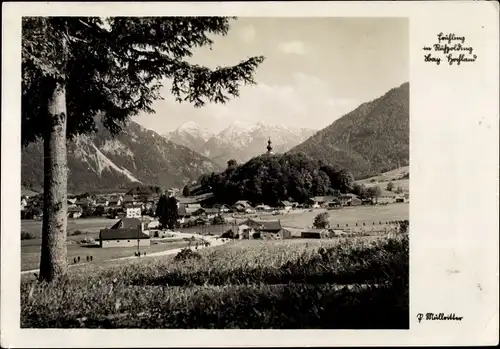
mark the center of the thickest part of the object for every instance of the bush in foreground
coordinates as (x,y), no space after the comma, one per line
(187,253)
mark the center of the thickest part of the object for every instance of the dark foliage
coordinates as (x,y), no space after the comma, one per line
(270,179)
(167,212)
(187,253)
(321,221)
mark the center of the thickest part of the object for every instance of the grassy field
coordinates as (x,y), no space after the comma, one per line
(30,255)
(295,220)
(346,215)
(355,283)
(90,225)
(394,176)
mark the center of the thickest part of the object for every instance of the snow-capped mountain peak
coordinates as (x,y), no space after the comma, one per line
(190,134)
(243,140)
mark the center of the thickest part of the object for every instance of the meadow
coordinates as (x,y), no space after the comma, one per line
(345,216)
(30,254)
(295,220)
(356,283)
(89,225)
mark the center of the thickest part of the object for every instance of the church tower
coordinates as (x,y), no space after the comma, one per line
(269,147)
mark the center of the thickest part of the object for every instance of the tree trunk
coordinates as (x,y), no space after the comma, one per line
(53,262)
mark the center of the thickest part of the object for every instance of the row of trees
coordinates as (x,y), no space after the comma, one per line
(270,179)
(77,69)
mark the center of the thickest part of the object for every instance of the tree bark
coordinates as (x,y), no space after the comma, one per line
(53,261)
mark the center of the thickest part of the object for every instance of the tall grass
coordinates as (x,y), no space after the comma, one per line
(350,283)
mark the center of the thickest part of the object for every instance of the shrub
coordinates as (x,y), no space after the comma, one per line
(27,235)
(187,253)
(76,232)
(321,221)
(403,226)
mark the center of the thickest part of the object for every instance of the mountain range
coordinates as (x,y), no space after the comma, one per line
(136,156)
(240,141)
(371,139)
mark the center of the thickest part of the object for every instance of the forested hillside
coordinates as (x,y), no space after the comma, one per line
(371,139)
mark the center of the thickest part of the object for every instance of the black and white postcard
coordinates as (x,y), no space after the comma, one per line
(209,170)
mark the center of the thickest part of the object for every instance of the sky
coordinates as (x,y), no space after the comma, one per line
(316,70)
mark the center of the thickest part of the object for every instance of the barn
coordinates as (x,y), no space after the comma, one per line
(315,234)
(123,237)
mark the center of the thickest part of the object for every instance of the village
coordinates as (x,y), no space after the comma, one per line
(137,224)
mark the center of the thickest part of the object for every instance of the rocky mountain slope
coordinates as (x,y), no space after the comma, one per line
(135,156)
(371,139)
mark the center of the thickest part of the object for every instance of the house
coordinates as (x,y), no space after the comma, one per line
(314,234)
(123,237)
(270,226)
(72,203)
(86,201)
(322,201)
(273,230)
(115,200)
(264,229)
(133,211)
(287,205)
(245,231)
(242,205)
(334,203)
(251,223)
(386,196)
(129,199)
(128,223)
(201,221)
(102,201)
(191,209)
(75,212)
(222,208)
(337,233)
(350,200)
(400,199)
(210,213)
(263,208)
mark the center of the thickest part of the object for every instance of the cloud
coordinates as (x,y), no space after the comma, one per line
(296,47)
(247,33)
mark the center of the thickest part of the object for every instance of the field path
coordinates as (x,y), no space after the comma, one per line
(212,239)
